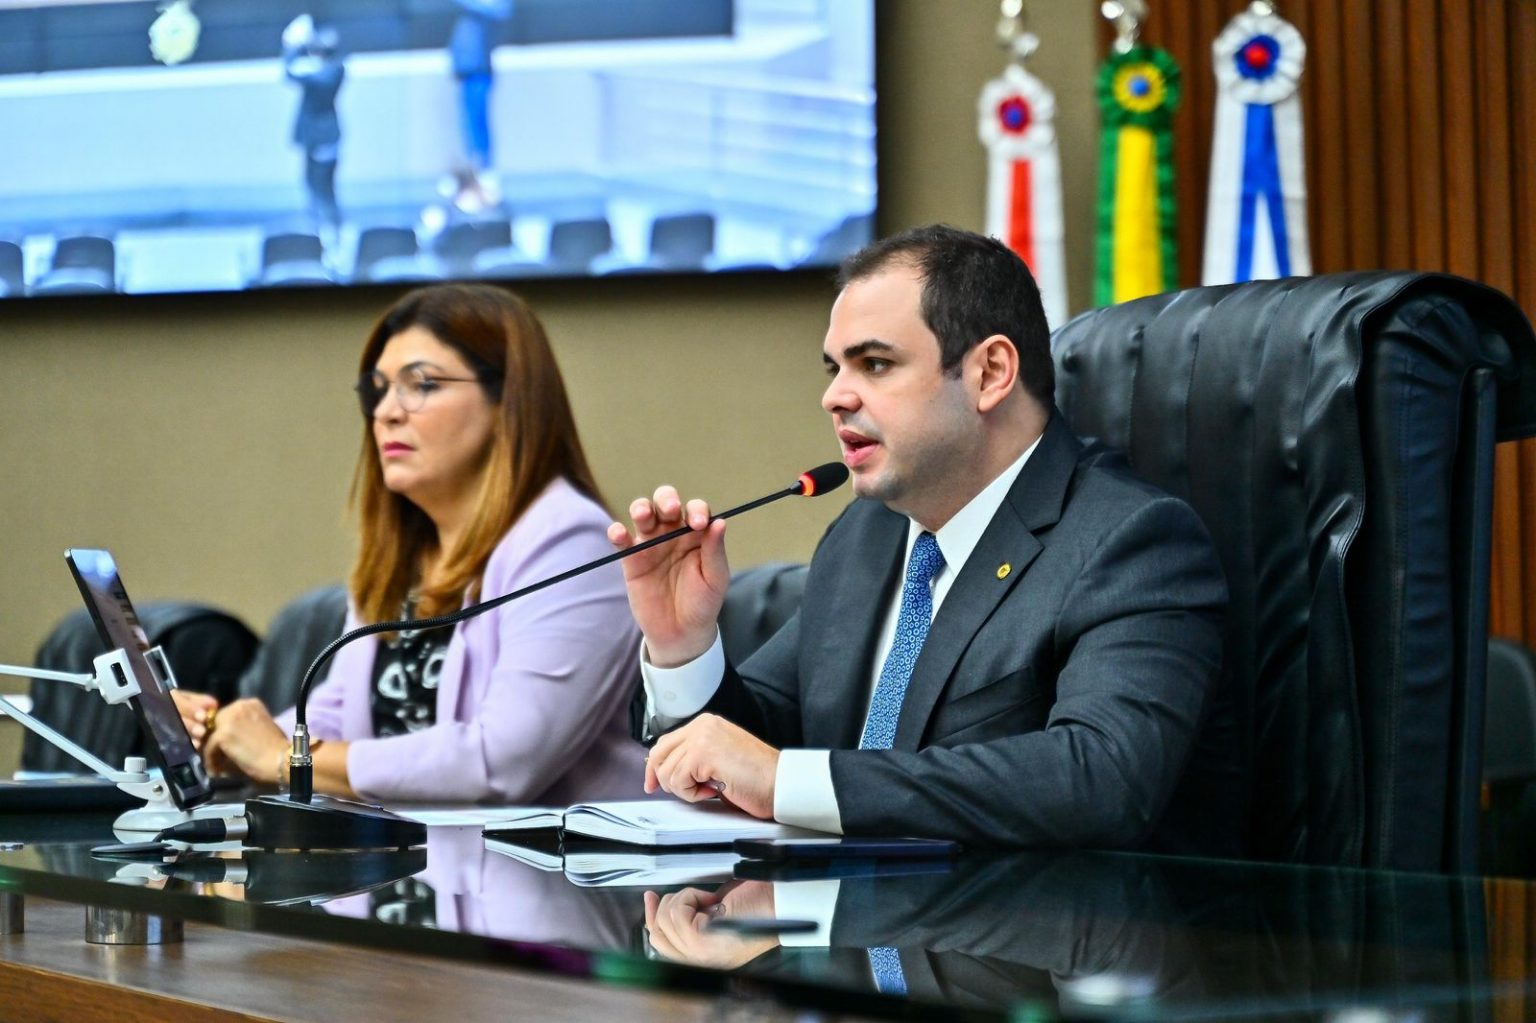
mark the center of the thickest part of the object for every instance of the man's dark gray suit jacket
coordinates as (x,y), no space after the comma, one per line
(1060,690)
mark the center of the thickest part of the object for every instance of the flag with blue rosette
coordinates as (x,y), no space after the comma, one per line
(1256,217)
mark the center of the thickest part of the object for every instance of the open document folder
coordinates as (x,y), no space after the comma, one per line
(644,822)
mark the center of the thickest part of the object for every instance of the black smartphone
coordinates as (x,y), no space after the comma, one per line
(760,925)
(830,869)
(133,850)
(845,848)
(170,746)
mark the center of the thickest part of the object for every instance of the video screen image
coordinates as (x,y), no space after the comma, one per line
(209,145)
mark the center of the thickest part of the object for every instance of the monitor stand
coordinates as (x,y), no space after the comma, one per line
(159,810)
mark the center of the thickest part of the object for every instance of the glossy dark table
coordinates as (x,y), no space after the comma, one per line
(1019,937)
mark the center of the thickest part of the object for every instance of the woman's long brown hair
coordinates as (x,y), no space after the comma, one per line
(535,441)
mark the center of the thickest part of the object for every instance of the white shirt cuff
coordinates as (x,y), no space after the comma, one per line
(673,695)
(802,791)
(806,900)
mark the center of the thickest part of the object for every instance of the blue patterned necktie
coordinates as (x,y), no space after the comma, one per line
(885,966)
(911,629)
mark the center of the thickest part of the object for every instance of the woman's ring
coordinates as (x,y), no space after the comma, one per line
(208,719)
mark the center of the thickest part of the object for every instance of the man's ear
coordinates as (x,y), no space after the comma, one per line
(996,361)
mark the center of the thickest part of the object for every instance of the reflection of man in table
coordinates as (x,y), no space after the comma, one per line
(311,61)
(996,930)
(470,47)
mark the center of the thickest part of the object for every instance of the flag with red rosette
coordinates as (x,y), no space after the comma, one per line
(1017,113)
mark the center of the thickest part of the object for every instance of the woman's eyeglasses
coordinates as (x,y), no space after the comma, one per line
(412,389)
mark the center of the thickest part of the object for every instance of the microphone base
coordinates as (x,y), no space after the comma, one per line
(286,879)
(326,822)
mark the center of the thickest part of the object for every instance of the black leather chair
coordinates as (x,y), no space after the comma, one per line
(1509,761)
(299,631)
(758,601)
(207,648)
(1336,434)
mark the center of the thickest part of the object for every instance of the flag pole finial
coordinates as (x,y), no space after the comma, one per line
(1013,32)
(1126,16)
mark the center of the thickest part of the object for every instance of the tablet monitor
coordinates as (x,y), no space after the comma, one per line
(101,586)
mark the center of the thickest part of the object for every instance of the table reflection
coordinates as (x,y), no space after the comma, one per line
(1097,934)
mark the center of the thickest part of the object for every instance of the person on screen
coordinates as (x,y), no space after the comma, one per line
(470,47)
(471,482)
(311,60)
(1006,640)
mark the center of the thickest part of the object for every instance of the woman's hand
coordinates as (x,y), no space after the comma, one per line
(246,739)
(196,710)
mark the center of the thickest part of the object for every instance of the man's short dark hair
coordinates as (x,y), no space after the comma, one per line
(973,287)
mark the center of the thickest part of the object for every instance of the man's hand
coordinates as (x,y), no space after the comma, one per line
(247,739)
(675,589)
(678,924)
(710,756)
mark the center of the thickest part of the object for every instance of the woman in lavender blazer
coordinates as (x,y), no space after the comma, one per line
(471,482)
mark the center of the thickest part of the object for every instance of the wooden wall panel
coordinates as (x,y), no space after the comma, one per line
(1420,116)
(1521,86)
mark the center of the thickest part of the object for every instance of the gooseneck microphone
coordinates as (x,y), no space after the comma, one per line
(812,483)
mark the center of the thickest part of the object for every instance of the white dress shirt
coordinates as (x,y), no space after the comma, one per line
(803,794)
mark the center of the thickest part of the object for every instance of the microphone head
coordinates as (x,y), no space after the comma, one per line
(817,481)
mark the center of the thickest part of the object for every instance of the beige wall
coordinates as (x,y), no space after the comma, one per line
(208,440)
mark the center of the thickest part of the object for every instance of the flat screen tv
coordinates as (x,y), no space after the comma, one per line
(207,145)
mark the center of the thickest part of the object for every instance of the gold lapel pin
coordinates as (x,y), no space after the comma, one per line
(1003,570)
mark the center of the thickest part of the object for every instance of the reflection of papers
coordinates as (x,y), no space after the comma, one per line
(453,815)
(602,869)
(543,859)
(614,868)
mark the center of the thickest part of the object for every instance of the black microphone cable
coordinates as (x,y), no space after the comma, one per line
(812,483)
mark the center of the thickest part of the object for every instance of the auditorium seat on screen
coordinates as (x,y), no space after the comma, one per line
(12,274)
(682,241)
(84,264)
(392,255)
(460,242)
(574,244)
(855,231)
(293,260)
(1336,434)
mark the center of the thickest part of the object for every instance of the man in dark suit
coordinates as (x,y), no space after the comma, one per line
(470,49)
(1006,640)
(311,61)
